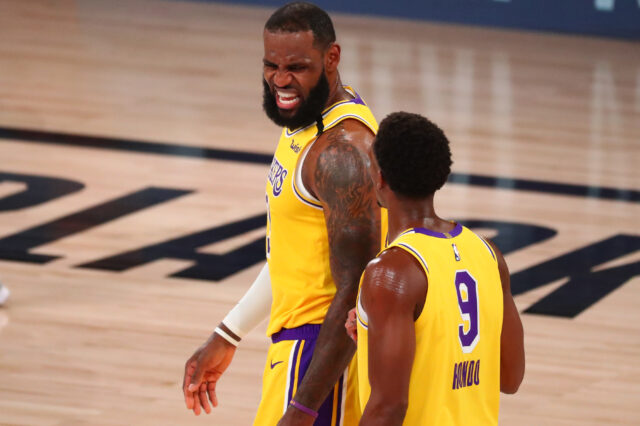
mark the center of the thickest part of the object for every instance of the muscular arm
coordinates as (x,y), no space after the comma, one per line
(338,176)
(512,339)
(393,292)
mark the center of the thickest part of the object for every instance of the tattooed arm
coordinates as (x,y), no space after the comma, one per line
(336,171)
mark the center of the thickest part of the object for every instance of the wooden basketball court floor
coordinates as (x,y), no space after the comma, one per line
(133,157)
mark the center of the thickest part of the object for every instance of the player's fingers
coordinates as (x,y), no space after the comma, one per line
(188,399)
(352,314)
(188,396)
(203,398)
(196,403)
(353,333)
(187,375)
(196,379)
(211,390)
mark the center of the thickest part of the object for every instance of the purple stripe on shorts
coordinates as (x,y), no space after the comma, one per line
(325,412)
(292,370)
(304,332)
(305,358)
(454,233)
(309,333)
(340,389)
(305,361)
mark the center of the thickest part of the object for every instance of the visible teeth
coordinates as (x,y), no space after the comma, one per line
(287,98)
(289,101)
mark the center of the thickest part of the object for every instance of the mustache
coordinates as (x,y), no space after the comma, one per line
(272,91)
(307,112)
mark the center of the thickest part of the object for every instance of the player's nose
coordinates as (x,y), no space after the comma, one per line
(282,78)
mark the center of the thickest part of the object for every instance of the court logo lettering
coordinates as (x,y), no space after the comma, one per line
(584,280)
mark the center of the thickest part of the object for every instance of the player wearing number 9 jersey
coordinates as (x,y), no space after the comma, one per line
(438,332)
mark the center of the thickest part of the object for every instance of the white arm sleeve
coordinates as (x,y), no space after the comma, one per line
(254,306)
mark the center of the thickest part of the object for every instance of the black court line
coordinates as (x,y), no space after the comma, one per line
(617,194)
(116,144)
(171,149)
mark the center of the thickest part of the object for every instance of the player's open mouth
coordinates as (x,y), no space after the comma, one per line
(287,100)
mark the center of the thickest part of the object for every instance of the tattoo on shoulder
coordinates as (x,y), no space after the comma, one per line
(343,183)
(341,175)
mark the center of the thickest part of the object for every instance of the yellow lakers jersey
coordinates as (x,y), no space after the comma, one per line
(297,242)
(456,370)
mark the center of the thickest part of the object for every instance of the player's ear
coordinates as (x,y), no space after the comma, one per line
(381,188)
(380,181)
(332,57)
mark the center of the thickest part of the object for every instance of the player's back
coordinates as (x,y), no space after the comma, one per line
(456,371)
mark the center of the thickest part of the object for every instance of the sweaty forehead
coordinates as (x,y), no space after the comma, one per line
(281,46)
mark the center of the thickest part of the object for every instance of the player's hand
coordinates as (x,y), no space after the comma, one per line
(202,371)
(351,326)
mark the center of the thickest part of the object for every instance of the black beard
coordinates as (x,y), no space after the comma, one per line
(308,111)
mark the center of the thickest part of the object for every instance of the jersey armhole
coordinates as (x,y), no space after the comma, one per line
(413,252)
(493,254)
(363,319)
(299,189)
(423,263)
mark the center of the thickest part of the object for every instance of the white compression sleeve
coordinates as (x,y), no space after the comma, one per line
(254,306)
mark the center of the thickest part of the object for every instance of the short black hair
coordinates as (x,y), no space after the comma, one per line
(413,154)
(302,16)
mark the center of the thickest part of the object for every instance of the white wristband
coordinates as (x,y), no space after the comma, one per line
(254,306)
(226,336)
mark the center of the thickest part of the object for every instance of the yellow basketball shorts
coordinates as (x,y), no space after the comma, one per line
(287,362)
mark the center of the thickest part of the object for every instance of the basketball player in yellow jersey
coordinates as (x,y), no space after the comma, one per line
(438,333)
(323,226)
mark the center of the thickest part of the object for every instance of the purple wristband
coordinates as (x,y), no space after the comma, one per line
(304,409)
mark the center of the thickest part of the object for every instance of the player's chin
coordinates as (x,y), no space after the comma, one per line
(288,112)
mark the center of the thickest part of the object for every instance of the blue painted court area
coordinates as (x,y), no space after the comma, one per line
(607,18)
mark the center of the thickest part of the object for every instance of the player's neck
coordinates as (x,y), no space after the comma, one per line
(337,93)
(406,214)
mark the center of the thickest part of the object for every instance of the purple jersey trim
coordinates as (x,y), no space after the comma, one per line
(344,117)
(304,200)
(296,131)
(412,250)
(454,232)
(488,248)
(356,100)
(362,322)
(304,332)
